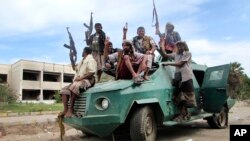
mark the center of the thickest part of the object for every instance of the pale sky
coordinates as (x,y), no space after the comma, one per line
(217,31)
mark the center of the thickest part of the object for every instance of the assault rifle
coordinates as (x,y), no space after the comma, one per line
(72,48)
(90,29)
(155,15)
(125,29)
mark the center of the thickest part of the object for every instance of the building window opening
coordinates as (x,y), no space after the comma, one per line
(31,75)
(31,94)
(3,78)
(52,77)
(68,78)
(49,94)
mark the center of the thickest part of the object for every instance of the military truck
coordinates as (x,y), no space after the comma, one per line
(141,109)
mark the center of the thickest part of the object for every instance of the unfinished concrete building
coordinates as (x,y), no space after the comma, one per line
(35,81)
(4,72)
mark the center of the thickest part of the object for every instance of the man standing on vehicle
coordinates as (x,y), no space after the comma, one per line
(96,42)
(84,79)
(170,38)
(182,61)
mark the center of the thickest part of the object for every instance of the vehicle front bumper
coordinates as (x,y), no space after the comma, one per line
(100,125)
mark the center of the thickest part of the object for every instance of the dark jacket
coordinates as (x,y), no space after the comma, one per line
(101,41)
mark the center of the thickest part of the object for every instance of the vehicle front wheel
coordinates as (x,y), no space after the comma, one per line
(219,120)
(143,125)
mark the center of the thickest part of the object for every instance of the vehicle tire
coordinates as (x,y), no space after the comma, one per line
(219,120)
(143,125)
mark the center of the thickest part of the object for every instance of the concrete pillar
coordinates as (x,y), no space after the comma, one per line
(41,86)
(21,81)
(62,79)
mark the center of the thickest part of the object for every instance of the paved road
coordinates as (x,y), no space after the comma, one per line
(195,131)
(6,121)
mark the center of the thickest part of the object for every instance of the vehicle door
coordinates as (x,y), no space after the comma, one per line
(214,88)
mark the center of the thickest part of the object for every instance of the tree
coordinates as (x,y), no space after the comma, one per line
(239,83)
(245,89)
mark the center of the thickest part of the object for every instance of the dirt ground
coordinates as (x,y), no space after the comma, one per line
(195,131)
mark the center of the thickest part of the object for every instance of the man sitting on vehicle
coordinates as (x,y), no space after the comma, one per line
(145,45)
(110,48)
(84,79)
(129,63)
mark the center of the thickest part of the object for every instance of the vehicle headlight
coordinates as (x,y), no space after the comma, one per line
(105,103)
(102,103)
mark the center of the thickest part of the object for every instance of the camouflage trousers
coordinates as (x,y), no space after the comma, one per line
(185,95)
(76,86)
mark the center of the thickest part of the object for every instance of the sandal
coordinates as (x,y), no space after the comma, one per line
(187,116)
(138,80)
(179,118)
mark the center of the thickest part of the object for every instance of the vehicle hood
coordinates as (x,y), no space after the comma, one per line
(110,86)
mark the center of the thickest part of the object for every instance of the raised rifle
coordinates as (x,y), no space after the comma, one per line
(155,15)
(125,29)
(72,49)
(90,29)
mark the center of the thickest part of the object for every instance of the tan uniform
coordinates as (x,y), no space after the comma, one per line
(87,65)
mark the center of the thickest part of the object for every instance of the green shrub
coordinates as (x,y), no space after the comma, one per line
(7,95)
(58,98)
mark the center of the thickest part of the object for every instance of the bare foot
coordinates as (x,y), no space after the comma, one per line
(146,78)
(68,114)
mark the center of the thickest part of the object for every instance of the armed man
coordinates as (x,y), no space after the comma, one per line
(96,42)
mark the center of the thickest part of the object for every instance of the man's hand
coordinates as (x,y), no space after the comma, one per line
(107,65)
(125,29)
(139,60)
(157,31)
(107,40)
(78,78)
(166,64)
(162,40)
(149,52)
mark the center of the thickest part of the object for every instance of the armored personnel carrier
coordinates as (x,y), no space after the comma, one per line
(141,109)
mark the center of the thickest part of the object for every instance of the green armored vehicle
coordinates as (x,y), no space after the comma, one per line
(141,109)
